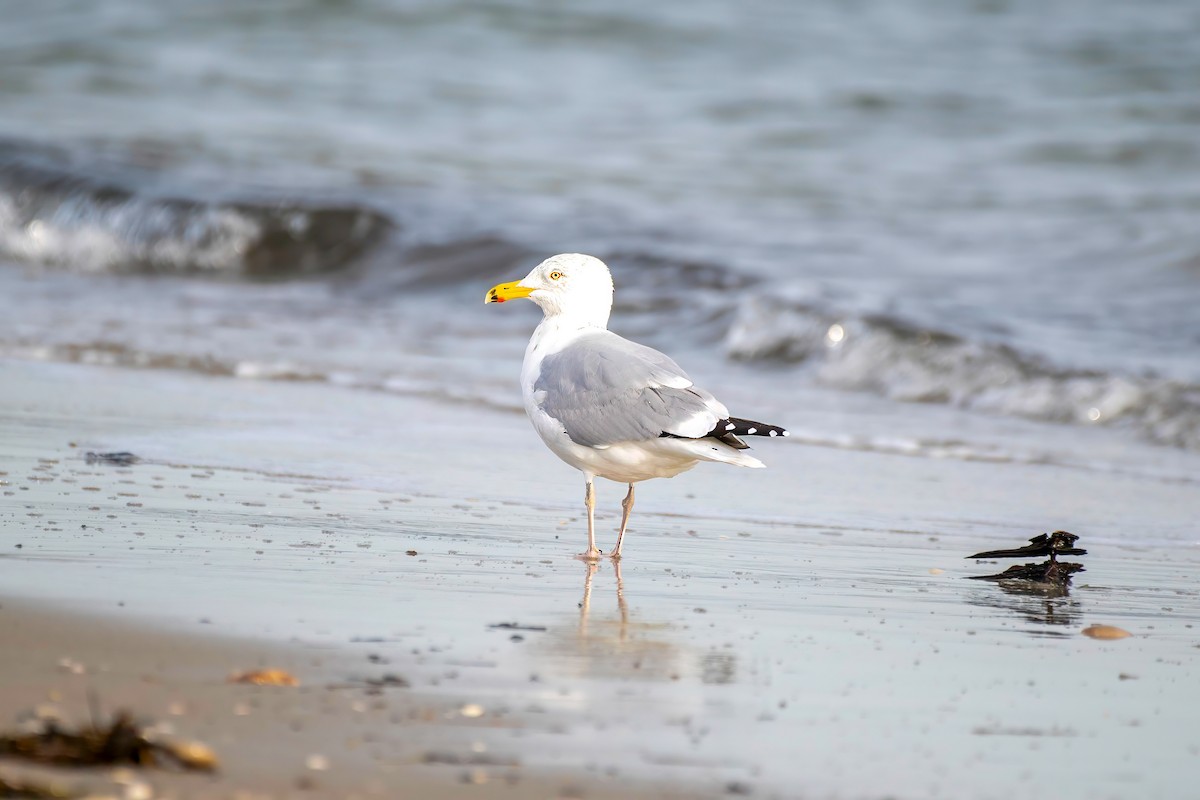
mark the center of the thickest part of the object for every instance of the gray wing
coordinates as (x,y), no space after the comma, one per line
(604,389)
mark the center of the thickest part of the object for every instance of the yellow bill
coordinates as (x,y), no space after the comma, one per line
(506,291)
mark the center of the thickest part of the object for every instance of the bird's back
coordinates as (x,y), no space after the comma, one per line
(603,389)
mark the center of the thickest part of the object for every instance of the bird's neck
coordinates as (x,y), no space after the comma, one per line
(576,320)
(583,309)
(556,332)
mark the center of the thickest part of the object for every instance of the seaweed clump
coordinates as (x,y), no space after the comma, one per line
(1050,572)
(122,742)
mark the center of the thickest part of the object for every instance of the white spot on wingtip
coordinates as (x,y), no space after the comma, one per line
(787,433)
(730,426)
(773,433)
(751,430)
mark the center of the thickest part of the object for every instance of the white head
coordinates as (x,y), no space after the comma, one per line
(570,285)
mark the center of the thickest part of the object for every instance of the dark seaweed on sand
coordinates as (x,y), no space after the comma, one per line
(121,742)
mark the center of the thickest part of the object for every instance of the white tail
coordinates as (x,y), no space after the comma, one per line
(713,450)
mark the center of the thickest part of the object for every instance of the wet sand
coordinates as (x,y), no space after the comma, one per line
(333,736)
(800,631)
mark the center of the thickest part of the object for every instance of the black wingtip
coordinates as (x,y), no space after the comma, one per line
(748,427)
(729,430)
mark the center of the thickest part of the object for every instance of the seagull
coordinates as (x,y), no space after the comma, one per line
(609,407)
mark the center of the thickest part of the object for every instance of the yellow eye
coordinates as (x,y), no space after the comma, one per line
(555,275)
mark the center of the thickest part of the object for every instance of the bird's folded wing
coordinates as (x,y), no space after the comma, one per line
(604,389)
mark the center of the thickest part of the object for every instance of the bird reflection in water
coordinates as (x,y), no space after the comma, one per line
(585,605)
(615,645)
(608,642)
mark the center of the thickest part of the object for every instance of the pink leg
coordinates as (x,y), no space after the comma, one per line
(626,507)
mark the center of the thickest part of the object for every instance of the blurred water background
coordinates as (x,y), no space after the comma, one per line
(985,205)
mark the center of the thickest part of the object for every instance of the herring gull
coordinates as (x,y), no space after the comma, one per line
(607,406)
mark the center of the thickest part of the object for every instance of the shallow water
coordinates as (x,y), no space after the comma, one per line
(776,629)
(990,204)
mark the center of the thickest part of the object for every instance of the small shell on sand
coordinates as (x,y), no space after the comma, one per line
(1105,632)
(265,677)
(195,755)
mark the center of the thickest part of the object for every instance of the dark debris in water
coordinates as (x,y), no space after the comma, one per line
(122,742)
(468,759)
(375,686)
(1059,543)
(515,626)
(120,459)
(1051,572)
(389,679)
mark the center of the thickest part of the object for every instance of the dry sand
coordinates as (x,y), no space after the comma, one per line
(804,631)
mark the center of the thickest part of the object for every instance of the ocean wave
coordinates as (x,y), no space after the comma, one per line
(649,283)
(52,217)
(902,361)
(475,259)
